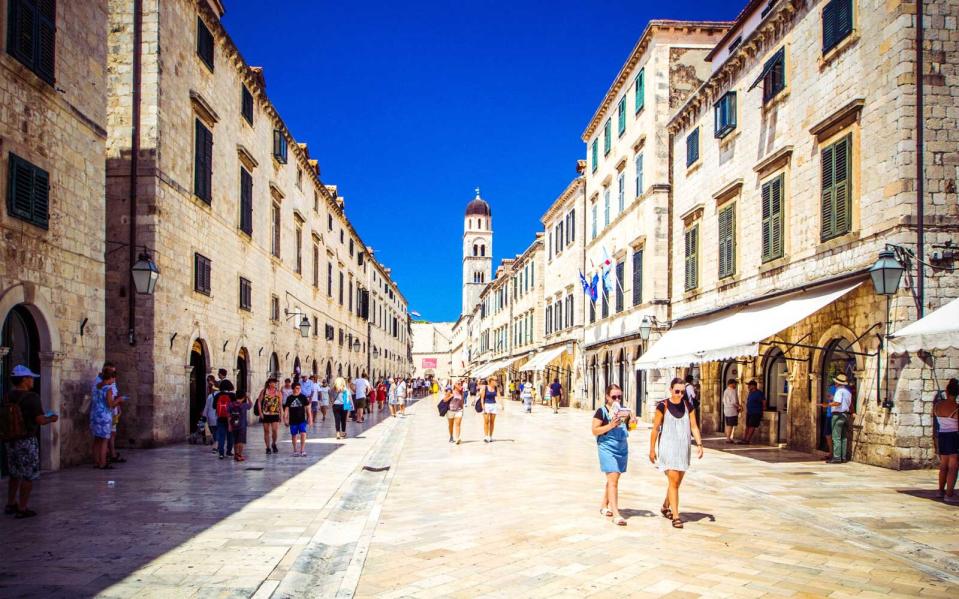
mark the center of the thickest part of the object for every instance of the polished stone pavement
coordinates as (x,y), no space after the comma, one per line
(396,511)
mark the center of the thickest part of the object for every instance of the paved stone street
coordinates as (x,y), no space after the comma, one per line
(518,518)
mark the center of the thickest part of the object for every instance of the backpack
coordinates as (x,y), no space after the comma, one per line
(12,426)
(222,405)
(234,419)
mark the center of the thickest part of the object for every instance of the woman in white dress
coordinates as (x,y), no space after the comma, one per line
(674,427)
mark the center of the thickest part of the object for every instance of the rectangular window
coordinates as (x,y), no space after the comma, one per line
(774,75)
(204,43)
(201,274)
(692,257)
(246,294)
(772,219)
(620,276)
(637,277)
(594,224)
(246,202)
(275,247)
(621,192)
(246,104)
(603,292)
(692,147)
(621,124)
(572,225)
(532,272)
(32,35)
(203,163)
(607,137)
(640,85)
(595,154)
(606,207)
(349,305)
(549,319)
(836,189)
(299,246)
(727,241)
(724,115)
(279,146)
(329,222)
(28,192)
(639,175)
(351,247)
(274,308)
(316,263)
(340,290)
(329,279)
(569,311)
(836,23)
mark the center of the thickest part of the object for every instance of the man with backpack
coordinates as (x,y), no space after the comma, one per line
(21,416)
(222,402)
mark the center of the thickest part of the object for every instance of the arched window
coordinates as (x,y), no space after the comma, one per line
(482,249)
(777,389)
(837,360)
(475,250)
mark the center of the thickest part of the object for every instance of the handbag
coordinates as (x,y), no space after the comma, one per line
(347,402)
(478,406)
(443,406)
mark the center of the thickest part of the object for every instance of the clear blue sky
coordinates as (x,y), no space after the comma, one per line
(410,105)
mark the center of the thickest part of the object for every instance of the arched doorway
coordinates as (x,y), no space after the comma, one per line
(315,371)
(21,336)
(242,371)
(198,362)
(776,388)
(329,372)
(274,368)
(837,360)
(296,367)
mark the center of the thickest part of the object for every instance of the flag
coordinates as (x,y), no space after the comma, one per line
(594,289)
(584,282)
(607,268)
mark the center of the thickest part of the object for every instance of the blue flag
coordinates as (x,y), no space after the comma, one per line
(594,289)
(583,282)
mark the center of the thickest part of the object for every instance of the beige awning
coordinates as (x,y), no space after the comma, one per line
(539,362)
(937,330)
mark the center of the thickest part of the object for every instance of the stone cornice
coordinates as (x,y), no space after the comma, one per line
(838,120)
(775,160)
(727,191)
(634,58)
(246,157)
(572,189)
(203,108)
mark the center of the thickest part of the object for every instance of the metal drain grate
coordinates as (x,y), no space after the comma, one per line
(372,469)
(254,468)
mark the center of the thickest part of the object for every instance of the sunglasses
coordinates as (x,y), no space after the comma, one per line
(620,396)
(677,391)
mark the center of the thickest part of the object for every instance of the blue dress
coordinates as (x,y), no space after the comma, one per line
(101,416)
(613,446)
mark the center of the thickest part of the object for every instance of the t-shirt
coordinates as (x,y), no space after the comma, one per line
(844,398)
(324,392)
(306,387)
(555,390)
(210,409)
(601,415)
(401,390)
(296,404)
(691,394)
(286,392)
(527,392)
(242,408)
(754,402)
(30,407)
(362,387)
(730,403)
(456,402)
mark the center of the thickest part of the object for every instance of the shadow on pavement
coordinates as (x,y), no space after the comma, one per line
(696,517)
(763,453)
(95,528)
(927,494)
(631,513)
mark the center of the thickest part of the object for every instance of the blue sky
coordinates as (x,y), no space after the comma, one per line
(409,106)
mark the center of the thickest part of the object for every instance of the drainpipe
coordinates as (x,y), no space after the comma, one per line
(134,164)
(920,172)
(586,375)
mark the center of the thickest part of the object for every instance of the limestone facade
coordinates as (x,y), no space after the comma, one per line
(627,186)
(811,177)
(432,344)
(249,240)
(52,138)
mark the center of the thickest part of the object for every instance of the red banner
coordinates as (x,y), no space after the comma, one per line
(429,362)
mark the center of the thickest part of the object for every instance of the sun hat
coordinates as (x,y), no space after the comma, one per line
(841,379)
(21,370)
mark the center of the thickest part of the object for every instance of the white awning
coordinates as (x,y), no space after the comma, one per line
(937,330)
(489,368)
(731,333)
(539,362)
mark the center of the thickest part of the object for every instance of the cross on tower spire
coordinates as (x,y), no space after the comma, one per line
(477,192)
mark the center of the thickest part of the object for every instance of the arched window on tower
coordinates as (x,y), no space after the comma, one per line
(482,249)
(475,250)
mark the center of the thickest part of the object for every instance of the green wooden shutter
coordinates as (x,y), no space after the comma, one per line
(841,185)
(595,154)
(766,227)
(776,218)
(637,277)
(40,214)
(640,90)
(607,137)
(727,241)
(692,243)
(622,115)
(246,202)
(46,39)
(827,200)
(836,23)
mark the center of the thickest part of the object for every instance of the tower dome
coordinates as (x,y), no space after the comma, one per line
(478,206)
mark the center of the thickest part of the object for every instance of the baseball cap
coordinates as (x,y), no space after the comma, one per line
(21,370)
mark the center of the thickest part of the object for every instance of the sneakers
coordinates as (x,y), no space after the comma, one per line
(268,451)
(451,438)
(275,450)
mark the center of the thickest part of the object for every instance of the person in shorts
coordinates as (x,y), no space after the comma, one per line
(755,406)
(23,454)
(323,391)
(296,415)
(454,416)
(270,403)
(361,391)
(730,409)
(402,397)
(488,394)
(555,395)
(239,413)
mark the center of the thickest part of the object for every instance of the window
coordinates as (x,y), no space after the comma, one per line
(246,104)
(620,276)
(735,44)
(607,137)
(316,202)
(203,163)
(299,246)
(595,154)
(279,146)
(316,262)
(836,23)
(204,43)
(571,228)
(349,305)
(724,115)
(329,279)
(274,308)
(351,247)
(28,192)
(621,125)
(836,189)
(340,290)
(299,178)
(605,299)
(595,221)
(246,202)
(692,261)
(329,222)
(532,272)
(549,319)
(773,75)
(621,193)
(32,35)
(275,248)
(569,311)
(727,241)
(201,274)
(772,223)
(606,207)
(246,294)
(692,147)
(342,238)
(637,277)
(639,175)
(640,85)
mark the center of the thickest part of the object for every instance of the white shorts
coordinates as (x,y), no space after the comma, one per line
(451,415)
(490,408)
(394,401)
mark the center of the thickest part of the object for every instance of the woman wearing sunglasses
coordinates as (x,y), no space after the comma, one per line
(673,426)
(609,427)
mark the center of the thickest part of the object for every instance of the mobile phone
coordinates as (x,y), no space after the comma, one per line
(50,414)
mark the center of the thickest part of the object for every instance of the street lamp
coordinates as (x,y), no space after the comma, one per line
(305,327)
(356,345)
(145,274)
(886,274)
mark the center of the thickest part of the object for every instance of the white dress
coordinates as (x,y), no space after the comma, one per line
(674,441)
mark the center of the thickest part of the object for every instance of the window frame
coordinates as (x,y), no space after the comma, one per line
(281,149)
(607,137)
(768,249)
(691,257)
(727,240)
(203,162)
(34,208)
(205,36)
(246,104)
(202,274)
(621,117)
(637,280)
(840,31)
(639,86)
(772,86)
(246,202)
(724,115)
(835,230)
(638,166)
(246,294)
(41,58)
(692,147)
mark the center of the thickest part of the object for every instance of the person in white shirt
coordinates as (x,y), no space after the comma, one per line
(841,405)
(361,391)
(311,389)
(731,409)
(526,394)
(401,397)
(323,390)
(391,398)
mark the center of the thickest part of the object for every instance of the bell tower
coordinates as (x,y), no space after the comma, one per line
(477,251)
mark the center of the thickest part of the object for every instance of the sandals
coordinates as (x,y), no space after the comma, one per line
(619,521)
(605,512)
(677,523)
(666,512)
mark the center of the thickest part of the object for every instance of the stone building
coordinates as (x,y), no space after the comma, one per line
(561,356)
(794,165)
(261,271)
(477,251)
(52,138)
(432,350)
(627,187)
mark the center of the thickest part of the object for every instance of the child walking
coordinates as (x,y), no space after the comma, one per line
(239,410)
(297,416)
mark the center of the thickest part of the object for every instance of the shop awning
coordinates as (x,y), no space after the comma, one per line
(937,330)
(539,362)
(489,368)
(733,333)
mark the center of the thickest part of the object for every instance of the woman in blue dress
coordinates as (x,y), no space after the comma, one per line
(101,416)
(610,428)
